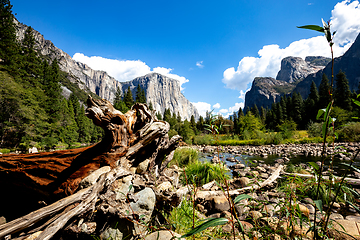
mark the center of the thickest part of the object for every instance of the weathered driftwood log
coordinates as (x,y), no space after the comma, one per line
(207,194)
(129,140)
(351,181)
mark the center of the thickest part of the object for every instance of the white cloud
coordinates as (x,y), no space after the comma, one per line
(121,70)
(345,19)
(242,94)
(167,72)
(217,105)
(227,112)
(202,107)
(125,70)
(200,64)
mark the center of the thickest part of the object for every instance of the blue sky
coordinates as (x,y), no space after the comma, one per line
(214,48)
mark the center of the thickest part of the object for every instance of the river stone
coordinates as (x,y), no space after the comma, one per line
(93,177)
(143,205)
(350,227)
(163,235)
(255,215)
(142,167)
(165,186)
(244,181)
(353,218)
(122,186)
(336,216)
(219,204)
(111,233)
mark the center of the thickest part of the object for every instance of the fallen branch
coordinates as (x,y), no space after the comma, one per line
(352,181)
(206,194)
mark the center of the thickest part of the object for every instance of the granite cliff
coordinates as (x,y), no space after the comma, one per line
(349,63)
(162,91)
(297,74)
(266,90)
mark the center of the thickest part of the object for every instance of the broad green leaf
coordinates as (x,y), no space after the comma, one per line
(241,197)
(320,113)
(324,126)
(313,27)
(356,102)
(319,205)
(212,222)
(314,165)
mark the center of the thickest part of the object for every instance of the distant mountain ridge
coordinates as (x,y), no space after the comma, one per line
(266,90)
(162,91)
(297,74)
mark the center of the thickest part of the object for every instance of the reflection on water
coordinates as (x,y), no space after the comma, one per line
(248,160)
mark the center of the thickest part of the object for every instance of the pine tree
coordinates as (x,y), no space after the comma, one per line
(151,106)
(158,115)
(297,108)
(200,124)
(324,92)
(193,124)
(31,62)
(128,98)
(9,48)
(342,93)
(314,94)
(284,108)
(255,111)
(262,114)
(140,95)
(69,129)
(84,126)
(167,115)
(74,102)
(119,103)
(52,90)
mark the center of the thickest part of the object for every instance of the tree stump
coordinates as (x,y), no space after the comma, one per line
(31,180)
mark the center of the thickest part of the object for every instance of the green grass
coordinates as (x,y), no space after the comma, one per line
(184,156)
(201,173)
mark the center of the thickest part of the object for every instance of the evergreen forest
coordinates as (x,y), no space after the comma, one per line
(33,111)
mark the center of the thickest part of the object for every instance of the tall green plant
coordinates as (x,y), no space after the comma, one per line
(320,231)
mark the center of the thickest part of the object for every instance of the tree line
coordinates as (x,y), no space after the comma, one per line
(32,110)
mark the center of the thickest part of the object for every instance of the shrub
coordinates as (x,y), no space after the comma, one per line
(4,150)
(172,133)
(204,172)
(315,129)
(287,129)
(350,132)
(184,156)
(204,139)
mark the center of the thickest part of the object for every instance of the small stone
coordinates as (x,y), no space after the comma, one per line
(93,177)
(163,235)
(336,216)
(220,204)
(142,167)
(255,215)
(165,186)
(336,205)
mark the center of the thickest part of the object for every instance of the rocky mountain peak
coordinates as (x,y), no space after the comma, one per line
(295,68)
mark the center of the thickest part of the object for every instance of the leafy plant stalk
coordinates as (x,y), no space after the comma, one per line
(327,119)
